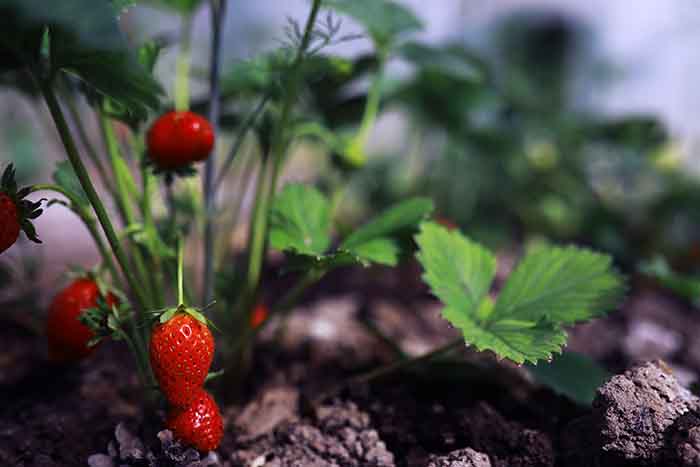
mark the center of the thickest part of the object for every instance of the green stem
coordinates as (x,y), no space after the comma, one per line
(239,139)
(98,206)
(87,144)
(148,182)
(182,68)
(218,14)
(356,150)
(267,183)
(180,271)
(124,204)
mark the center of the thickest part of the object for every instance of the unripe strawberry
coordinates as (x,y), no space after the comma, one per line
(199,424)
(178,139)
(67,337)
(181,352)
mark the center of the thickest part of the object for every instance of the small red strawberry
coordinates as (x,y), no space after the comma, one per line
(199,424)
(178,139)
(16,213)
(67,337)
(259,315)
(181,352)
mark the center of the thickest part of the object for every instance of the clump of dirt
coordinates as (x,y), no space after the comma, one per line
(337,434)
(460,458)
(127,450)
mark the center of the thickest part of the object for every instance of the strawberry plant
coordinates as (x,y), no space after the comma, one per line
(159,147)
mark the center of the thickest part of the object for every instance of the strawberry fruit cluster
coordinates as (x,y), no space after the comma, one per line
(181,352)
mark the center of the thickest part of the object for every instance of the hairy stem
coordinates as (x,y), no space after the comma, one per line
(258,239)
(125,205)
(218,16)
(95,201)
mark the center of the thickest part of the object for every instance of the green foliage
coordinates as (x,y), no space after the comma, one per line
(65,177)
(384,20)
(550,288)
(185,7)
(458,271)
(571,374)
(121,5)
(300,220)
(85,40)
(300,224)
(686,286)
(377,241)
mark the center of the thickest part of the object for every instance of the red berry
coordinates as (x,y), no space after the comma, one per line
(16,213)
(9,222)
(178,139)
(260,313)
(181,353)
(199,424)
(67,336)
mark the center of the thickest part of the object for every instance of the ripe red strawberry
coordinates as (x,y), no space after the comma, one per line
(199,424)
(67,337)
(259,315)
(181,353)
(16,212)
(178,139)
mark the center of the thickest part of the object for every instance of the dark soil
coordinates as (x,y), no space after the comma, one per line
(478,412)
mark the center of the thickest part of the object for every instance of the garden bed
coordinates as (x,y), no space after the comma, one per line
(429,415)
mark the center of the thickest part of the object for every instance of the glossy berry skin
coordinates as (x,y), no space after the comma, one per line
(260,314)
(198,424)
(178,139)
(9,222)
(67,336)
(181,353)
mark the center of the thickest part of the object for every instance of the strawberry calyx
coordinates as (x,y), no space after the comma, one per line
(168,313)
(26,210)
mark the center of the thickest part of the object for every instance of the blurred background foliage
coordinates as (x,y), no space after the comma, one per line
(494,137)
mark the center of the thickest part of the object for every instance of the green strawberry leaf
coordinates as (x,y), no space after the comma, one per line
(300,220)
(565,285)
(384,20)
(458,271)
(65,177)
(550,288)
(402,217)
(571,374)
(378,250)
(85,40)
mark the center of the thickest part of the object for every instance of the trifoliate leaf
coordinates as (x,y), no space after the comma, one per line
(384,20)
(564,285)
(458,271)
(550,288)
(300,220)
